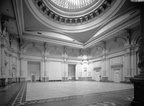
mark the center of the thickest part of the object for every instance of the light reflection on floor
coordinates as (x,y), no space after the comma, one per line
(42,90)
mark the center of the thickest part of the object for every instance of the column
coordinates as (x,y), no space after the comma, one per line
(2,61)
(133,66)
(107,67)
(21,74)
(44,68)
(2,77)
(104,78)
(0,57)
(47,69)
(104,66)
(10,65)
(23,70)
(66,70)
(42,71)
(9,79)
(0,24)
(128,64)
(138,80)
(0,45)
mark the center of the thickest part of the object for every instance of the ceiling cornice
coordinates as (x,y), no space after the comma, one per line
(53,41)
(77,45)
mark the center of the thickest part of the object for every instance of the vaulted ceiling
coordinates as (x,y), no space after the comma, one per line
(75,23)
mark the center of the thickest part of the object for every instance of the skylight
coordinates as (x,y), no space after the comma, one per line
(72,4)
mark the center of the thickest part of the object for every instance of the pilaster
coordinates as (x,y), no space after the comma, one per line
(42,71)
(128,65)
(107,67)
(2,61)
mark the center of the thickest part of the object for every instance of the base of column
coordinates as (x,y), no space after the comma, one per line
(104,79)
(2,82)
(45,79)
(21,79)
(127,79)
(138,90)
(64,79)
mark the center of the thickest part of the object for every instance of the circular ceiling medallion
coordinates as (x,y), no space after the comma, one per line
(73,15)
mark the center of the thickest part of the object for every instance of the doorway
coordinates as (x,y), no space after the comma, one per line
(97,74)
(71,72)
(117,76)
(34,71)
(33,78)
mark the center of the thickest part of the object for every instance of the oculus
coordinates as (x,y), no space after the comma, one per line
(72,4)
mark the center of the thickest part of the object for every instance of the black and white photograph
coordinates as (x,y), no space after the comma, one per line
(71,52)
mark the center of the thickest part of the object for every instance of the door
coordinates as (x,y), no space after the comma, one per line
(71,71)
(34,73)
(33,78)
(97,76)
(117,76)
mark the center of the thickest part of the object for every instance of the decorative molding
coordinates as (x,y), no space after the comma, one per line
(42,39)
(66,20)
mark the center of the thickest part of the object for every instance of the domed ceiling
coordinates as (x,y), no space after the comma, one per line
(73,15)
(75,23)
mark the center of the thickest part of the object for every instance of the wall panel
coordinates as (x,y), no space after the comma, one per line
(55,71)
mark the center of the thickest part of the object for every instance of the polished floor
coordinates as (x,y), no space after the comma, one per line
(74,93)
(36,91)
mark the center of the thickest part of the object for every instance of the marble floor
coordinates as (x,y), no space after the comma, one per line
(74,93)
(36,91)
